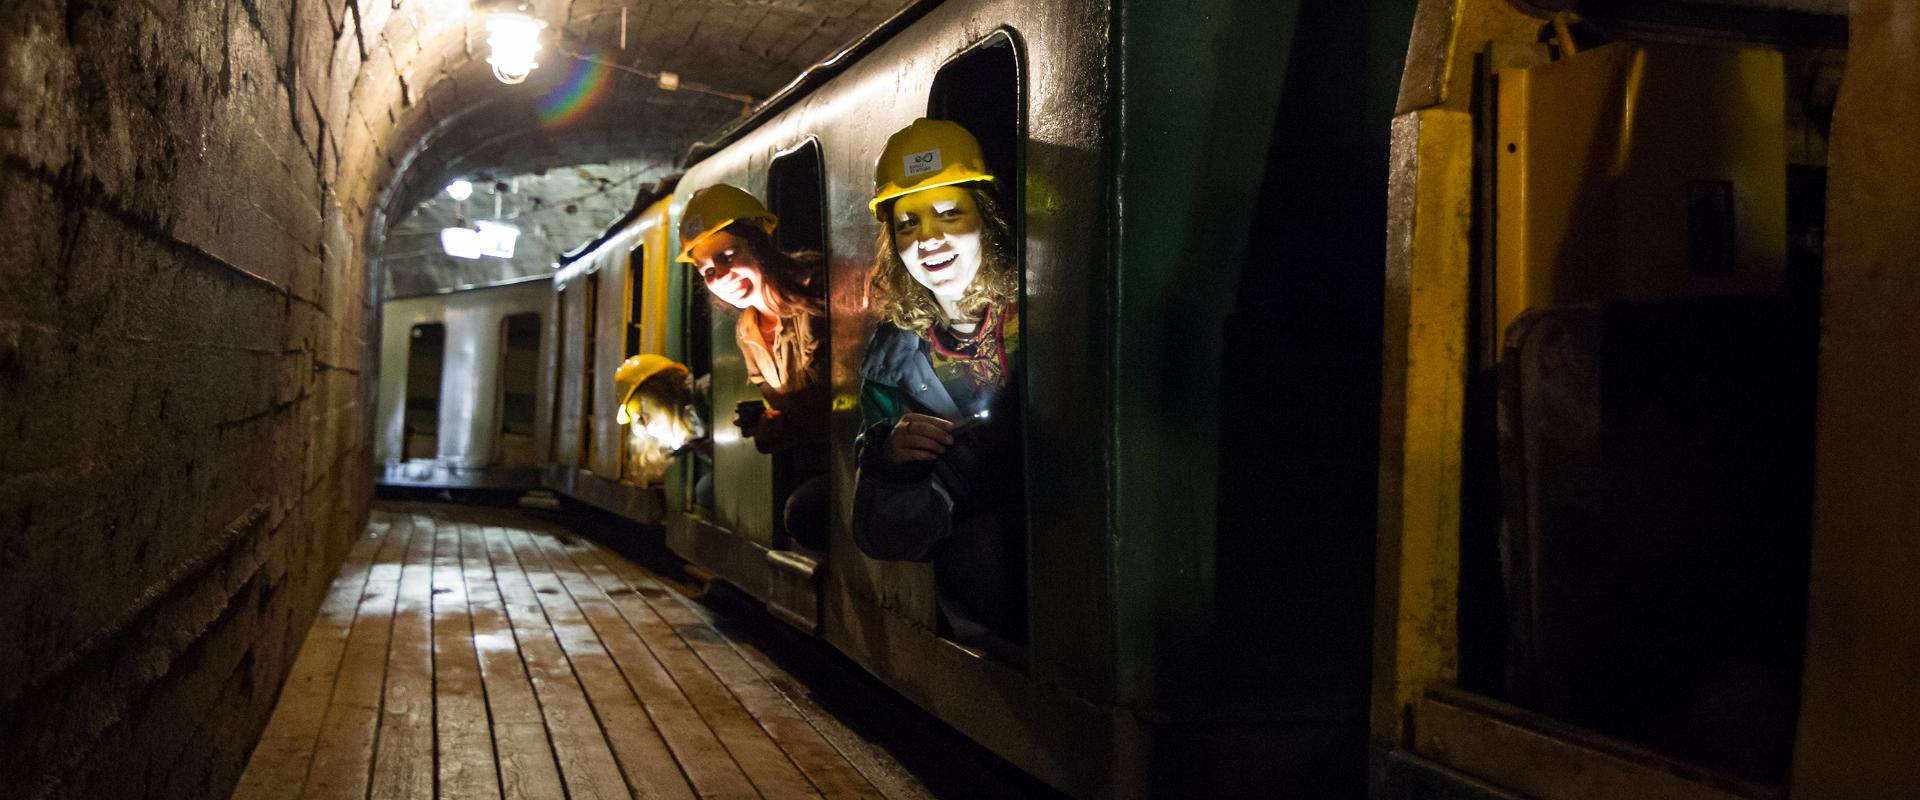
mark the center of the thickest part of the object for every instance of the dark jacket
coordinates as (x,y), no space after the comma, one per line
(965,512)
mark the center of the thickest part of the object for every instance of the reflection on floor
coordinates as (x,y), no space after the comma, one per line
(468,653)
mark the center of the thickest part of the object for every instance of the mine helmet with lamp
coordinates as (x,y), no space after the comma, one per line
(923,155)
(714,208)
(637,370)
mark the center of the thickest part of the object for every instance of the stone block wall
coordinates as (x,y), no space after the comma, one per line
(187,318)
(184,332)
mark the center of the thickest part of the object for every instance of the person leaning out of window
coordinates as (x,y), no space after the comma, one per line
(939,464)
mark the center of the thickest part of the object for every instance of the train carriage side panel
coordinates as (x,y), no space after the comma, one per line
(566,451)
(468,447)
(1248,194)
(601,282)
(610,311)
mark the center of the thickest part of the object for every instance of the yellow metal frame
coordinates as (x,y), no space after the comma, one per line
(650,275)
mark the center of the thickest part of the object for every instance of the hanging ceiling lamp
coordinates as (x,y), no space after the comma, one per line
(513,39)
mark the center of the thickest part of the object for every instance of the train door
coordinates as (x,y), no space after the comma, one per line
(559,376)
(633,445)
(519,386)
(983,90)
(426,357)
(1623,575)
(589,320)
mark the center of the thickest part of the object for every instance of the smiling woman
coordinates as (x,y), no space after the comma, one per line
(727,236)
(937,482)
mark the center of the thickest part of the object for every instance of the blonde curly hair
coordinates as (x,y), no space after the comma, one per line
(911,307)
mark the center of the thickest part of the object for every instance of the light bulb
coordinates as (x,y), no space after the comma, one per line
(460,189)
(514,39)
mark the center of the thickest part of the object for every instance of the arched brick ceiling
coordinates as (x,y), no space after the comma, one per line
(422,106)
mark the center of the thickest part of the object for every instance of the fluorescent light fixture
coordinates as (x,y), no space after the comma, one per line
(514,40)
(461,242)
(497,239)
(460,189)
(488,238)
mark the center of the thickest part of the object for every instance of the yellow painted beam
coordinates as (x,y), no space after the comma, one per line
(1423,382)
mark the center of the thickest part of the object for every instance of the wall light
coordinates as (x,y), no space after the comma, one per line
(514,40)
(460,190)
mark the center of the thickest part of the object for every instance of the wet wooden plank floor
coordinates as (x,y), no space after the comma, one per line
(486,653)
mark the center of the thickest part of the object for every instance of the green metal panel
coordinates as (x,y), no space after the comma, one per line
(1186,167)
(1249,179)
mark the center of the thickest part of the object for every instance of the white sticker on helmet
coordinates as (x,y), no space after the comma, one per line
(923,162)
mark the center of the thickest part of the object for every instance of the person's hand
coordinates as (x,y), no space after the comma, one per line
(918,437)
(747,416)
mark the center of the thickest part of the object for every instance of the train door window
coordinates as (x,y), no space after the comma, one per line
(519,382)
(981,583)
(589,320)
(635,299)
(426,356)
(797,195)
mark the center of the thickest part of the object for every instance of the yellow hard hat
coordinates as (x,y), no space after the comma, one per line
(637,369)
(928,153)
(716,207)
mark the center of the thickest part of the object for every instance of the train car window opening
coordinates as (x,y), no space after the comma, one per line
(983,89)
(519,385)
(796,193)
(426,359)
(699,316)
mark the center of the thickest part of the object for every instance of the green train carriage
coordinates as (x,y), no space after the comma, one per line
(1182,181)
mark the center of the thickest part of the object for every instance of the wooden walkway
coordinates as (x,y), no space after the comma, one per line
(484,653)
